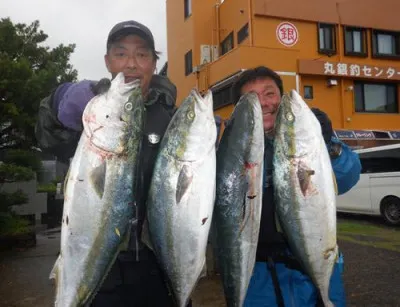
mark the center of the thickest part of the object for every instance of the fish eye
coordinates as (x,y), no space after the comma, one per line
(128,106)
(289,116)
(190,115)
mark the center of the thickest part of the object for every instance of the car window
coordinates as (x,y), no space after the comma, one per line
(379,165)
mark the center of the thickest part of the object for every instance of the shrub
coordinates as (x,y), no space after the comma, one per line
(25,158)
(11,225)
(12,173)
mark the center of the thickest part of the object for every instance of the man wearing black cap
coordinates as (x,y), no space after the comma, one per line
(135,279)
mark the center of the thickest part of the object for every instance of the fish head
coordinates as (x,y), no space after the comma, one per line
(248,117)
(296,127)
(110,119)
(193,128)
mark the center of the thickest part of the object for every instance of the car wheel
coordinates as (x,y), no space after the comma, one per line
(391,210)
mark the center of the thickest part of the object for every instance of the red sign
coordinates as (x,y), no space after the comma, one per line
(287,34)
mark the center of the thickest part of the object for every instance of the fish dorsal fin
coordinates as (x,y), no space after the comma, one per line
(184,181)
(98,179)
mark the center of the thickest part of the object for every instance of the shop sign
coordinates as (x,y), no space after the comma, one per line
(353,70)
(287,34)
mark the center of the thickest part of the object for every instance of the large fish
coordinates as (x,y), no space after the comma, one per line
(99,194)
(305,190)
(237,211)
(182,194)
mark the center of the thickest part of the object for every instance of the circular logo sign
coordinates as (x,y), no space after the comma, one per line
(287,34)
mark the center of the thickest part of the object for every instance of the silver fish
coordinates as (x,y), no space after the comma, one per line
(237,212)
(99,193)
(305,190)
(182,193)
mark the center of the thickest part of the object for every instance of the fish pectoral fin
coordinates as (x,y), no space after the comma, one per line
(304,175)
(248,205)
(331,252)
(98,179)
(184,182)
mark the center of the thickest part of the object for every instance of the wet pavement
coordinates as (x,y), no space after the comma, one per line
(372,274)
(24,274)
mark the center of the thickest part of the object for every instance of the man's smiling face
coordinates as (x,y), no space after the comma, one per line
(131,55)
(269,96)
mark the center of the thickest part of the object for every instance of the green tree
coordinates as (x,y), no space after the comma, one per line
(29,71)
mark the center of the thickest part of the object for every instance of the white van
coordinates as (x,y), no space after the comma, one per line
(378,191)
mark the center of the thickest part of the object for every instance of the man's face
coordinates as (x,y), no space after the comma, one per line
(269,96)
(132,56)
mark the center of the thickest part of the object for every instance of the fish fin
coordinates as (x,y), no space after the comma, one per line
(248,201)
(335,183)
(66,181)
(98,178)
(53,273)
(304,175)
(203,272)
(184,182)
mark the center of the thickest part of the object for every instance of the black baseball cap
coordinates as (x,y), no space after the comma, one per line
(131,27)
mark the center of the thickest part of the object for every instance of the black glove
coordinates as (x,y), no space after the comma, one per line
(163,90)
(101,86)
(326,124)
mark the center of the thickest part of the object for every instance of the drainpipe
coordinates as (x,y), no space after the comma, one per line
(250,13)
(340,47)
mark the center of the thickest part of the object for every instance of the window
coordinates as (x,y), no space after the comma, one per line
(227,44)
(385,44)
(308,92)
(355,41)
(222,97)
(243,33)
(375,97)
(188,63)
(326,38)
(380,165)
(188,8)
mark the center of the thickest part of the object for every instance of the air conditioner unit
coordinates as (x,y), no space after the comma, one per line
(332,82)
(205,54)
(196,68)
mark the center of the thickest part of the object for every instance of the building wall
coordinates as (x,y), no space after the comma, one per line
(262,47)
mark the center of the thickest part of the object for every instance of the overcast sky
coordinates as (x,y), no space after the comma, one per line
(87,23)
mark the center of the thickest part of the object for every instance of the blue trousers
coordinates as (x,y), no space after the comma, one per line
(297,288)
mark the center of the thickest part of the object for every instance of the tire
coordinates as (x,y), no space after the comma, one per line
(390,208)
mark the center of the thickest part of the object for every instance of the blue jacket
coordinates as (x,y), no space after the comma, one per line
(297,288)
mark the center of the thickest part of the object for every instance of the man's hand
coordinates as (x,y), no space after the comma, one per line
(326,124)
(100,87)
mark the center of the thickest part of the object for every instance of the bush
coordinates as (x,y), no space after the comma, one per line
(10,199)
(11,225)
(12,173)
(49,188)
(26,158)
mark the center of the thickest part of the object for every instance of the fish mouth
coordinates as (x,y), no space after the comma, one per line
(131,79)
(203,102)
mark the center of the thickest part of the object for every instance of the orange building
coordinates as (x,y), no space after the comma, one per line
(343,56)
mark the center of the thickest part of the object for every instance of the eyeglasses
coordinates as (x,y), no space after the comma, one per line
(143,56)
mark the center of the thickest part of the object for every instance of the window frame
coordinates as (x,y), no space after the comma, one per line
(227,38)
(364,43)
(326,51)
(186,5)
(188,66)
(374,45)
(387,85)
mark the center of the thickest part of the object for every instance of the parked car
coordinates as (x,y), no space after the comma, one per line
(378,190)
